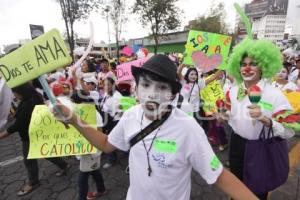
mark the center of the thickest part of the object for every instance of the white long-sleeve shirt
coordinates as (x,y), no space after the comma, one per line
(274,101)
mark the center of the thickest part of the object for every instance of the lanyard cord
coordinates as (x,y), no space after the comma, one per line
(147,151)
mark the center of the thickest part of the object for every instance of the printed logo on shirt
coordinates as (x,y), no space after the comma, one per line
(165,146)
(215,163)
(160,160)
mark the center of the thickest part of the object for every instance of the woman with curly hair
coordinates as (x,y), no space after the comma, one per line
(252,63)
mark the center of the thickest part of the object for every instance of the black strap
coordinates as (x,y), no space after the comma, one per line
(179,102)
(191,93)
(270,133)
(151,127)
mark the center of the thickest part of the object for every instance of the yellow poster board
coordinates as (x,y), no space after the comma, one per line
(210,94)
(42,55)
(50,138)
(294,99)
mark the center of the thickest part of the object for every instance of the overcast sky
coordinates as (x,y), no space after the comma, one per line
(16,15)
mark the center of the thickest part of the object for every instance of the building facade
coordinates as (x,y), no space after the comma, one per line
(268,19)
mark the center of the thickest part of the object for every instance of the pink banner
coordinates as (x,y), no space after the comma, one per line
(124,70)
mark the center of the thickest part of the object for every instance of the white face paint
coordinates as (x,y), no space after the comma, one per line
(154,96)
(282,74)
(249,70)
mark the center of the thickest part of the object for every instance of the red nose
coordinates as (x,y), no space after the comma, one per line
(247,69)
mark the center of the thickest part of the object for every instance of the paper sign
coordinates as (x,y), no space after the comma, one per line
(210,94)
(49,137)
(294,100)
(42,55)
(207,51)
(124,70)
(127,102)
(165,146)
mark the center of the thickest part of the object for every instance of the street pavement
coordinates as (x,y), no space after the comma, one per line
(13,176)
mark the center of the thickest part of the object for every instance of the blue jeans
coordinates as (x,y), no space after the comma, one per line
(83,183)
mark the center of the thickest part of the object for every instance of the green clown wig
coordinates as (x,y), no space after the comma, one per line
(265,53)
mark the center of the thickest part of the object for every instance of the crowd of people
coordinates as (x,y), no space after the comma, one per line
(175,133)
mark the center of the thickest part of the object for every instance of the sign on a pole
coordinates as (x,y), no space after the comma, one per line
(42,55)
(36,30)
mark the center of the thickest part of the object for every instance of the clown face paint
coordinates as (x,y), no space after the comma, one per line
(249,70)
(154,96)
(282,74)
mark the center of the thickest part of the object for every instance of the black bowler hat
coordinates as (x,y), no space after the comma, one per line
(161,66)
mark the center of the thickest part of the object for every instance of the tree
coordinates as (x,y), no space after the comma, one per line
(75,10)
(213,22)
(117,14)
(160,15)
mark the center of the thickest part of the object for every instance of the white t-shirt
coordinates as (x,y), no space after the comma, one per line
(185,106)
(102,75)
(293,76)
(90,162)
(111,104)
(289,86)
(95,96)
(6,97)
(191,93)
(56,75)
(180,145)
(273,101)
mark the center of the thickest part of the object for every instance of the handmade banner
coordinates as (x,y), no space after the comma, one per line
(127,102)
(207,51)
(42,55)
(124,70)
(294,99)
(50,138)
(210,94)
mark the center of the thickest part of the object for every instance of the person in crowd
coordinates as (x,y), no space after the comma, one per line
(251,64)
(86,70)
(6,98)
(28,98)
(191,87)
(282,82)
(161,161)
(105,72)
(295,71)
(109,107)
(90,166)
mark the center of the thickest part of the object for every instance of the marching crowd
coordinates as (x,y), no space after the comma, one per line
(167,134)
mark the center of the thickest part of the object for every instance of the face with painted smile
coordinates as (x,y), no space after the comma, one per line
(250,71)
(155,96)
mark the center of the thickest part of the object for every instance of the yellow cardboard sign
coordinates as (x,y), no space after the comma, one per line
(42,55)
(49,137)
(294,99)
(210,94)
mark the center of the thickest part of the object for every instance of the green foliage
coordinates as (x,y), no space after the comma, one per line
(75,10)
(213,22)
(160,15)
(118,16)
